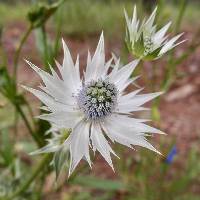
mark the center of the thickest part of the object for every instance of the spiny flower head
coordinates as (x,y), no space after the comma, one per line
(97,99)
(144,41)
(96,108)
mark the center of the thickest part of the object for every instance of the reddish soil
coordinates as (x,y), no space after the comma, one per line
(180,106)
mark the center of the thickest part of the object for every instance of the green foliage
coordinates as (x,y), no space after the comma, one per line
(8,88)
(97,183)
(89,17)
(17,12)
(41,12)
(6,150)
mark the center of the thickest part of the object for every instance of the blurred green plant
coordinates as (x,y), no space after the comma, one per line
(8,88)
(37,16)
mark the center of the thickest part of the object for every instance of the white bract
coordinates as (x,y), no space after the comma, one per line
(95,108)
(144,41)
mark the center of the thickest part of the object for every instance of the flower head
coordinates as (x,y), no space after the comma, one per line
(144,41)
(95,108)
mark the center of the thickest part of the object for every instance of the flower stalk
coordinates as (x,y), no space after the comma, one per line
(45,161)
(35,137)
(19,48)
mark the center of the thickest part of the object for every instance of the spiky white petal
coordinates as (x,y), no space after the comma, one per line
(123,74)
(171,44)
(79,145)
(101,144)
(68,71)
(96,65)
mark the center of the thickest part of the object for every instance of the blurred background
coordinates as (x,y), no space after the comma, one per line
(33,30)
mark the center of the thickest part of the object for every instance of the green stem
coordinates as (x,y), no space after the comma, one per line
(3,55)
(180,15)
(45,47)
(16,60)
(21,112)
(58,31)
(39,186)
(45,161)
(18,50)
(16,119)
(171,70)
(160,8)
(30,110)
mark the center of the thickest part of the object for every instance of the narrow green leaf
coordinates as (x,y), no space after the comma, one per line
(6,148)
(96,183)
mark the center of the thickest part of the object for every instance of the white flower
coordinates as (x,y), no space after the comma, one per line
(95,107)
(144,41)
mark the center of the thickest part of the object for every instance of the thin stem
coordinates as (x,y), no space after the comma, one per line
(16,60)
(180,15)
(58,30)
(21,112)
(18,51)
(45,45)
(171,70)
(160,8)
(45,161)
(39,186)
(3,53)
(16,119)
(30,110)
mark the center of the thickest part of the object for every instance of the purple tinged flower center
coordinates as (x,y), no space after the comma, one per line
(97,99)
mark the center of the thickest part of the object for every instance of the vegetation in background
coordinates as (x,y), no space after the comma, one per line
(140,177)
(84,18)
